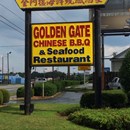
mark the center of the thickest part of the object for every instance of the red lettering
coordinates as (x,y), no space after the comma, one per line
(58,31)
(87,42)
(42,32)
(46,32)
(36,34)
(87,31)
(79,42)
(72,42)
(71,31)
(77,31)
(52,32)
(35,43)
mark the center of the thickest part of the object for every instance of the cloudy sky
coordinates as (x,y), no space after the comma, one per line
(12,33)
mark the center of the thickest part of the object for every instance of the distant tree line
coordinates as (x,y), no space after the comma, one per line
(55,74)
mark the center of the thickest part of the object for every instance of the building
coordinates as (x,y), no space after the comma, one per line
(16,79)
(116,60)
(13,79)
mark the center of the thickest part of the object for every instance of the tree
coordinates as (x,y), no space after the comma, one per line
(124,72)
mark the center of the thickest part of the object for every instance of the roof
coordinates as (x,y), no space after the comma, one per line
(114,5)
(121,55)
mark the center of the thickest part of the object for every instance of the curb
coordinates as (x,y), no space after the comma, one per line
(14,98)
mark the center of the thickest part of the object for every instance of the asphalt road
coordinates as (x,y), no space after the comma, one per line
(65,97)
(11,88)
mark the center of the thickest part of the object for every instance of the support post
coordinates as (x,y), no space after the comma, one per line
(103,76)
(68,72)
(53,74)
(97,23)
(84,78)
(27,99)
(2,69)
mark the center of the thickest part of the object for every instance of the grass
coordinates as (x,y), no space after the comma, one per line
(44,117)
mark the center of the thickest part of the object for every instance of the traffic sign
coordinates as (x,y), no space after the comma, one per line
(58,4)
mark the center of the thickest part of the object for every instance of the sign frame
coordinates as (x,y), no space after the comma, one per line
(63,7)
(66,23)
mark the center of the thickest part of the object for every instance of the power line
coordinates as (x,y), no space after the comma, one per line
(12,46)
(50,16)
(11,23)
(12,12)
(40,15)
(61,16)
(11,27)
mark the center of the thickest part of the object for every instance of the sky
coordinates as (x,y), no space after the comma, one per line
(12,37)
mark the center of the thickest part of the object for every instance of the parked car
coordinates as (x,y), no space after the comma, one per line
(40,80)
(115,83)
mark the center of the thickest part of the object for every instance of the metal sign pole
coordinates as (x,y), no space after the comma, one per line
(27,99)
(84,78)
(97,22)
(43,89)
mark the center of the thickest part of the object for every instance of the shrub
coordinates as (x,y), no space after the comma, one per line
(82,82)
(70,110)
(38,87)
(128,95)
(87,99)
(103,119)
(21,91)
(1,98)
(60,86)
(49,89)
(124,72)
(70,82)
(6,95)
(114,98)
(110,98)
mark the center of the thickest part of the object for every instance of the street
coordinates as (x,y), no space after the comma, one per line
(65,97)
(12,88)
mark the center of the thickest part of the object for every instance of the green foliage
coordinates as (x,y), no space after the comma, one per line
(6,95)
(128,95)
(55,74)
(1,98)
(60,86)
(124,72)
(20,92)
(87,99)
(114,98)
(44,117)
(103,119)
(71,82)
(38,87)
(50,89)
(110,98)
(70,110)
(81,81)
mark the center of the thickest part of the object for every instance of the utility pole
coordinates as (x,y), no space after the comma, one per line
(2,68)
(8,65)
(28,107)
(98,83)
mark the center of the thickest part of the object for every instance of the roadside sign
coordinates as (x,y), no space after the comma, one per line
(55,4)
(62,44)
(83,68)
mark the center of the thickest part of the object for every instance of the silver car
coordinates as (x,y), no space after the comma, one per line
(115,83)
